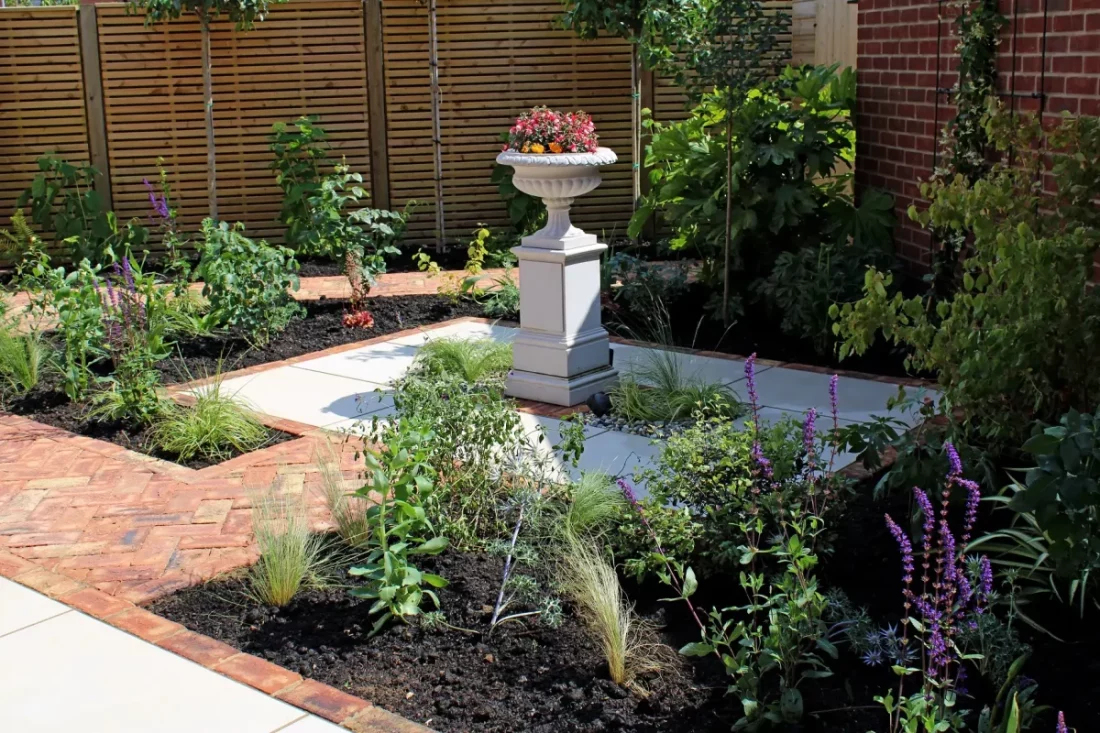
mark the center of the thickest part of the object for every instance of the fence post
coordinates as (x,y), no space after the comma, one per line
(376,105)
(93,101)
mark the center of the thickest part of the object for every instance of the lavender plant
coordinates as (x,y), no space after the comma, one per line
(950,599)
(778,636)
(134,342)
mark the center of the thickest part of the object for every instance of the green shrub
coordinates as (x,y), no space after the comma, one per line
(401,481)
(1025,284)
(247,283)
(299,149)
(64,203)
(790,139)
(699,494)
(215,427)
(75,301)
(1053,544)
(471,359)
(659,390)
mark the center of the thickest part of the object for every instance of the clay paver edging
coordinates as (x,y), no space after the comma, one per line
(322,700)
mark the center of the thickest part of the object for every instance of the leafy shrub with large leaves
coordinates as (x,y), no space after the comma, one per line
(791,142)
(1017,340)
(248,283)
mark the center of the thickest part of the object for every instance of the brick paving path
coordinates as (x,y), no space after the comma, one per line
(135,527)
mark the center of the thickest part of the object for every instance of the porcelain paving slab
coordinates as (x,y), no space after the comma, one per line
(21,607)
(378,363)
(630,358)
(311,724)
(471,329)
(857,399)
(306,396)
(78,674)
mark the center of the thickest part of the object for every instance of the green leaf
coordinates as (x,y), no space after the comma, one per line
(433,546)
(435,581)
(690,583)
(697,649)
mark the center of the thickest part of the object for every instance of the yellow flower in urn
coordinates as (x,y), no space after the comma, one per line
(555,147)
(537,148)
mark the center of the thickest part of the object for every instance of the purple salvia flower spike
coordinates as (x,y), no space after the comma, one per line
(953,460)
(1061,723)
(809,428)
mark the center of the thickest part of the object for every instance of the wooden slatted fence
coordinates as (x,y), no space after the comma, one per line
(41,95)
(496,58)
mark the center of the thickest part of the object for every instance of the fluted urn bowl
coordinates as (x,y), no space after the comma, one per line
(557,179)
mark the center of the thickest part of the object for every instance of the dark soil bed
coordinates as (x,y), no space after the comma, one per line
(322,328)
(48,404)
(757,331)
(528,678)
(522,678)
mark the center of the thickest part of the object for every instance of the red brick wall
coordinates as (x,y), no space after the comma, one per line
(899,115)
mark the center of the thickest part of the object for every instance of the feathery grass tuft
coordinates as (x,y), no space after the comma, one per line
(215,427)
(629,644)
(472,359)
(290,555)
(22,360)
(596,502)
(349,511)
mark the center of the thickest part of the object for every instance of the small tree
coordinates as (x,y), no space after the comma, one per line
(242,12)
(731,47)
(643,24)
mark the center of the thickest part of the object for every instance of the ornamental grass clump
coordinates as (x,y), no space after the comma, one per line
(23,357)
(291,556)
(543,130)
(215,427)
(471,359)
(348,510)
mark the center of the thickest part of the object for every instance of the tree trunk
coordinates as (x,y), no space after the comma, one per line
(208,97)
(636,120)
(729,220)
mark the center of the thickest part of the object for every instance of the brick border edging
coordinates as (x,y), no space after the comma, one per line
(324,701)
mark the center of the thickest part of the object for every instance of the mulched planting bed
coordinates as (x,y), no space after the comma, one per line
(530,678)
(757,331)
(48,404)
(322,328)
(521,678)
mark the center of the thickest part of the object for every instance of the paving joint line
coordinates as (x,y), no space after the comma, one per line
(36,623)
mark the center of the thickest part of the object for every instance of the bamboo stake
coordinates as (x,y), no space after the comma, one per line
(437,135)
(208,94)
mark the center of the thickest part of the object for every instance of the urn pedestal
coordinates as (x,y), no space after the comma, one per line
(562,354)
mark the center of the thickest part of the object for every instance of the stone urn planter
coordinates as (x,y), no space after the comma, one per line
(562,353)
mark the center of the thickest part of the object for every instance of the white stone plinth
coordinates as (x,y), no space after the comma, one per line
(562,353)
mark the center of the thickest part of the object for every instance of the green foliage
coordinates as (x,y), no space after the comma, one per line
(1053,544)
(349,512)
(699,492)
(400,479)
(23,358)
(21,247)
(248,283)
(919,455)
(477,437)
(74,300)
(299,149)
(789,139)
(215,427)
(501,299)
(471,359)
(64,204)
(526,212)
(1025,284)
(659,389)
(242,12)
(641,286)
(805,282)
